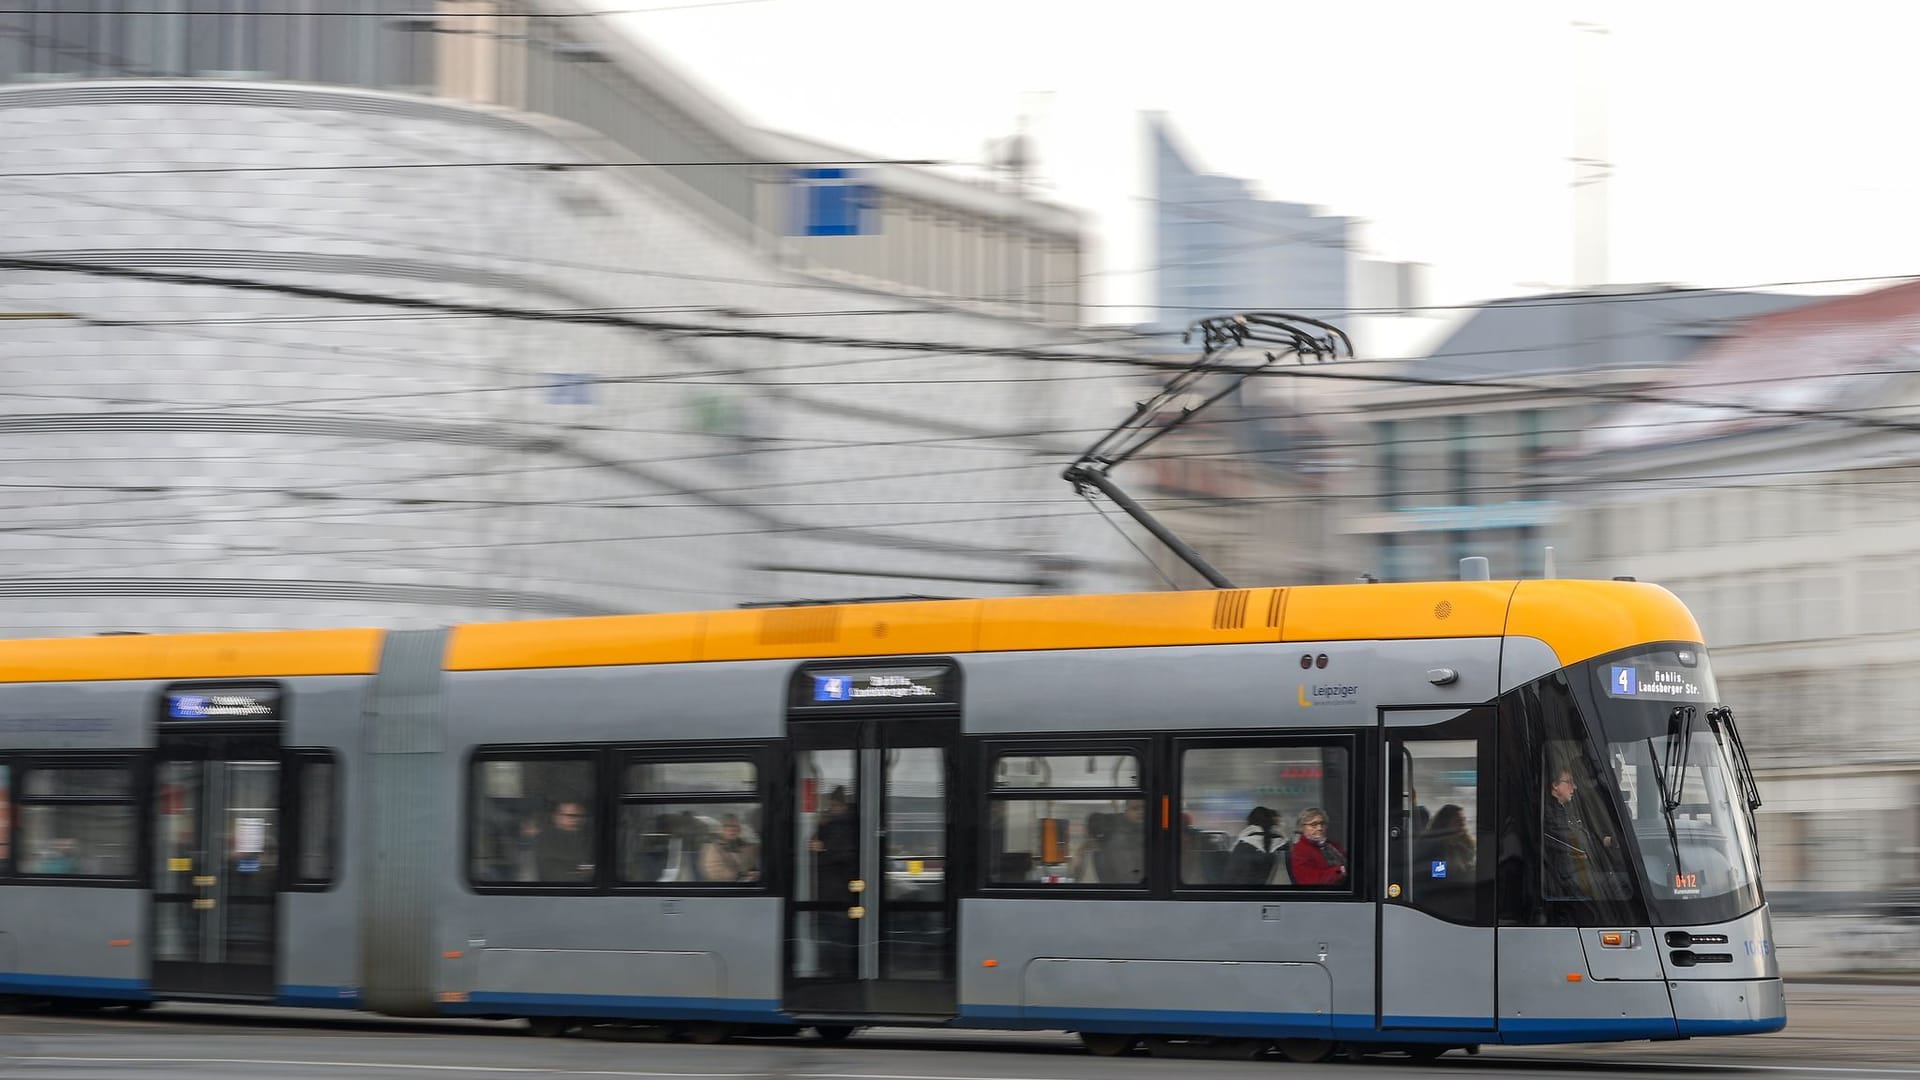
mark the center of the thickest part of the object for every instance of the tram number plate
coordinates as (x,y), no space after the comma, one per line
(1686,882)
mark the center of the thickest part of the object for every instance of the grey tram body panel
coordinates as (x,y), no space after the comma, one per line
(58,937)
(319,963)
(403,929)
(650,955)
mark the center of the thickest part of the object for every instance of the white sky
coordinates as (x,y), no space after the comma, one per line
(1751,142)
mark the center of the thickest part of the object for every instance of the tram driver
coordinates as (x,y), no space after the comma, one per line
(1570,843)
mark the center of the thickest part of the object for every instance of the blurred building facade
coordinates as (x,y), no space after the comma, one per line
(1453,462)
(400,315)
(1758,454)
(1251,484)
(1773,489)
(895,228)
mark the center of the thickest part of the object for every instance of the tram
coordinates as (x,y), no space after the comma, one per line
(1408,817)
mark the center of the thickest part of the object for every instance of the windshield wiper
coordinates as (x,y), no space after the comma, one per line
(1667,802)
(1679,738)
(1749,782)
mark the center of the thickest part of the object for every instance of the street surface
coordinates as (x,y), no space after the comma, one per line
(1835,1033)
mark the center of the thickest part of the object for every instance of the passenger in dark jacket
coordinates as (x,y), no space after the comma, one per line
(836,847)
(1257,849)
(564,850)
(1122,858)
(1447,841)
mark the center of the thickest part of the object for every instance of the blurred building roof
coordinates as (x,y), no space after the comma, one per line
(1786,360)
(1626,327)
(687,95)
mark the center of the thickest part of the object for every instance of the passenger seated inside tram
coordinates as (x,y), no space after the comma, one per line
(648,852)
(1085,866)
(1258,848)
(1446,841)
(1203,855)
(1122,859)
(564,850)
(1313,859)
(729,857)
(58,858)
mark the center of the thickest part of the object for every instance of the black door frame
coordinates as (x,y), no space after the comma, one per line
(870,729)
(205,894)
(1399,802)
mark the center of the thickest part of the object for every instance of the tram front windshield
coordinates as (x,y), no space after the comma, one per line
(1682,783)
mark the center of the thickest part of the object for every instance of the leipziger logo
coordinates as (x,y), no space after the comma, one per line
(1317,694)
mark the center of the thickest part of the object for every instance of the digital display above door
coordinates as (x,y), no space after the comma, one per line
(257,703)
(822,688)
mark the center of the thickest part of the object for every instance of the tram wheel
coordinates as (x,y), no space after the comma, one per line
(1427,1051)
(709,1034)
(833,1033)
(1105,1045)
(1305,1051)
(547,1027)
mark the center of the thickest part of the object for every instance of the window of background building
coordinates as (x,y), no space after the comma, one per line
(1460,545)
(1600,542)
(1067,819)
(1388,456)
(389,44)
(1532,443)
(1387,561)
(1783,850)
(1823,617)
(1460,454)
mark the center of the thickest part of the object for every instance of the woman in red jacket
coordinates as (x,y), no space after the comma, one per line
(1313,859)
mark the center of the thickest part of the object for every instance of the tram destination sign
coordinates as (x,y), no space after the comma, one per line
(877,686)
(255,703)
(1655,682)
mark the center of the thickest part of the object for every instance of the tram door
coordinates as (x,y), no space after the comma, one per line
(870,914)
(1437,900)
(216,849)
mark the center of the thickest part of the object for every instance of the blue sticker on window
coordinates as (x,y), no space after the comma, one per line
(248,866)
(1626,681)
(832,688)
(1439,868)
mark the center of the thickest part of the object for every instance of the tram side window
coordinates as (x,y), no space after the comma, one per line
(76,821)
(318,810)
(690,822)
(1242,809)
(532,821)
(1067,819)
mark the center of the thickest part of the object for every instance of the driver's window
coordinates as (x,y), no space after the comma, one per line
(1580,854)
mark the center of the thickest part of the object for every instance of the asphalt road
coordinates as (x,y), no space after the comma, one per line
(1836,1033)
